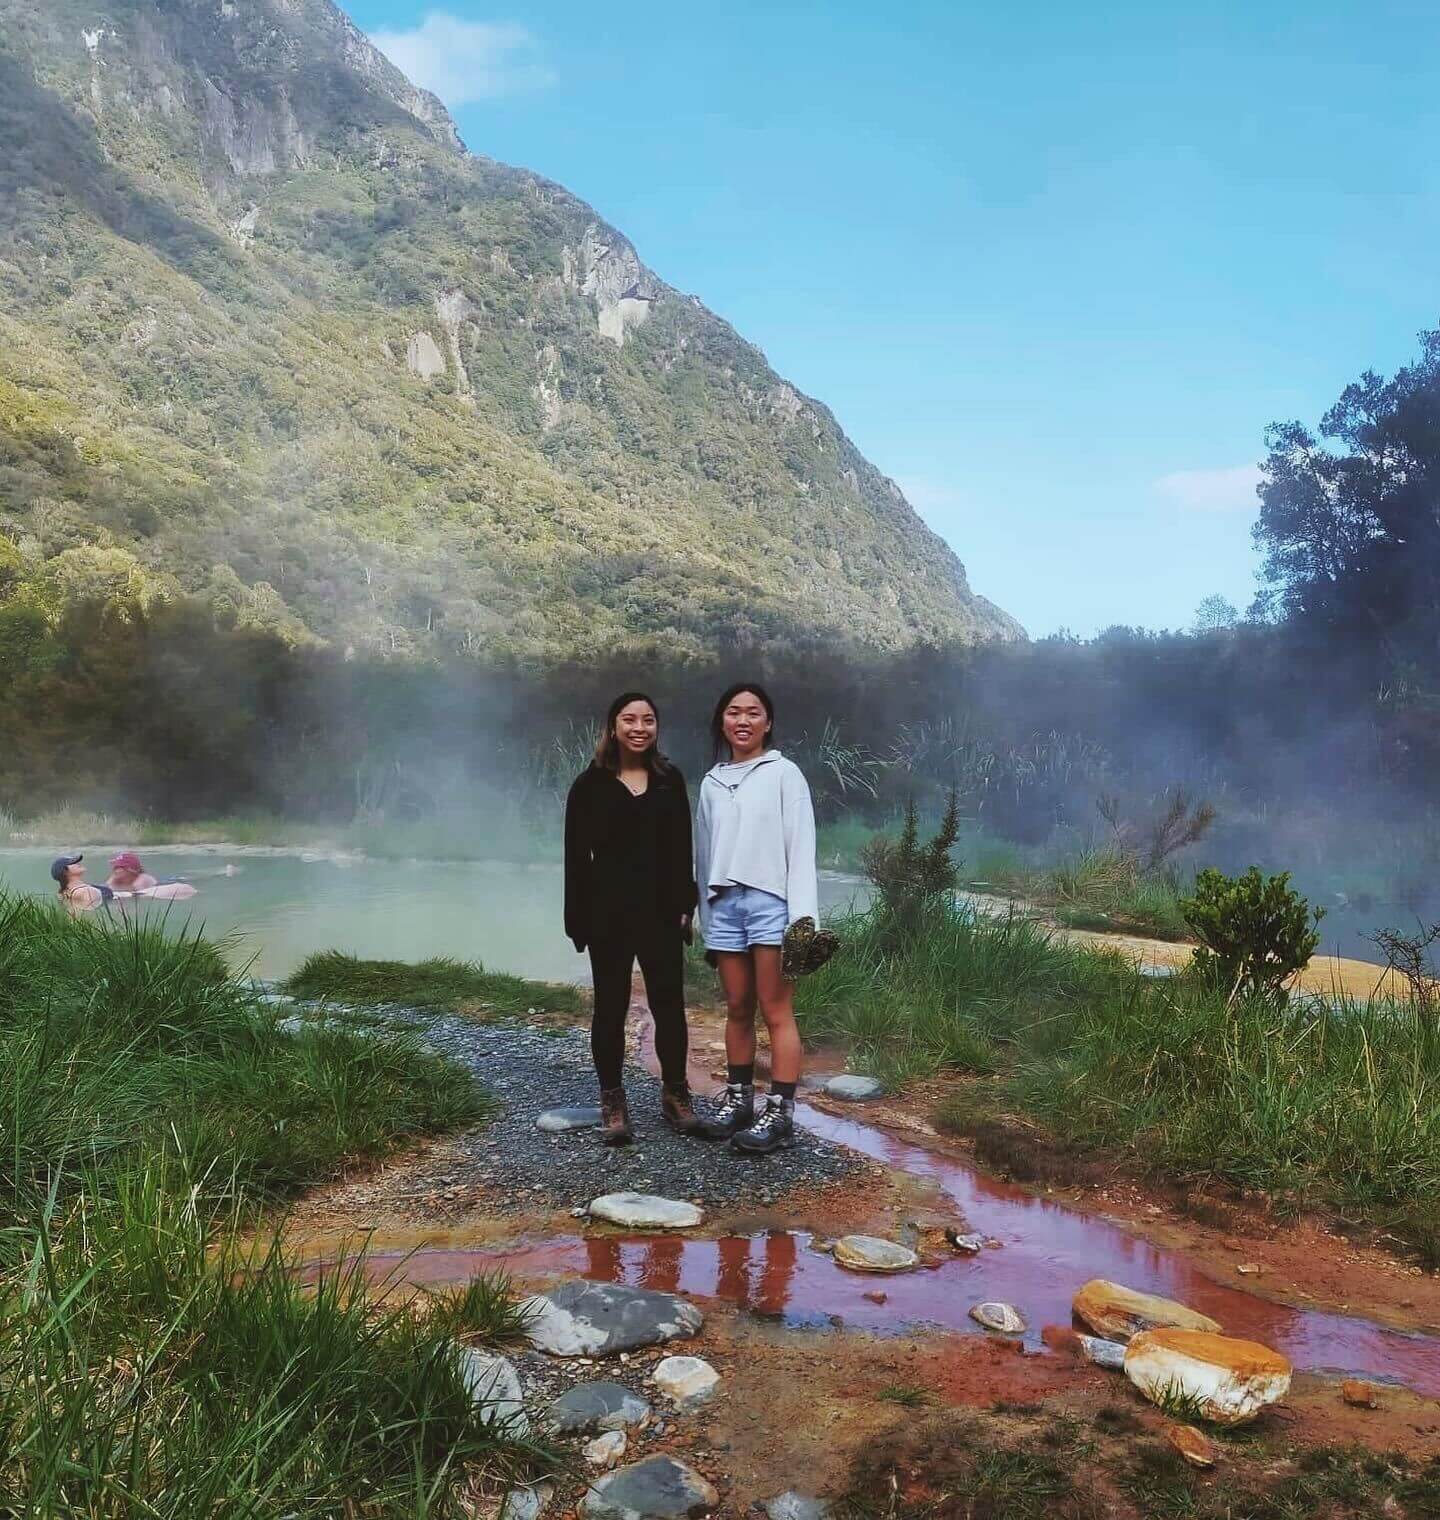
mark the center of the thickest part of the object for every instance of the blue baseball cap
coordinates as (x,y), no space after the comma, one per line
(59,867)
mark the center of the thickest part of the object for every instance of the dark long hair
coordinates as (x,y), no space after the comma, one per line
(719,747)
(607,751)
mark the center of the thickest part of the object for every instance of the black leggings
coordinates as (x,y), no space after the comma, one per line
(662,964)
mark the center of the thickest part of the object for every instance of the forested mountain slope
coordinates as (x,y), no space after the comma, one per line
(268,327)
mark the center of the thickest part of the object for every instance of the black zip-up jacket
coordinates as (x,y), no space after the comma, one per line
(629,868)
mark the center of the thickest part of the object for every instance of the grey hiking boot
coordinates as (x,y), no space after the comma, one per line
(734,1112)
(773,1129)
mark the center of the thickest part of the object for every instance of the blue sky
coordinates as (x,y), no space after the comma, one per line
(1054,267)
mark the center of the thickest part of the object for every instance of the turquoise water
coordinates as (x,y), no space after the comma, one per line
(274,910)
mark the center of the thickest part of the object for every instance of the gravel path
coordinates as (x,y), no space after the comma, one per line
(529,1069)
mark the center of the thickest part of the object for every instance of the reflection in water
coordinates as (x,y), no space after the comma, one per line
(780,1275)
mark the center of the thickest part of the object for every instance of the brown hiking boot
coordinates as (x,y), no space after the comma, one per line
(615,1117)
(679,1112)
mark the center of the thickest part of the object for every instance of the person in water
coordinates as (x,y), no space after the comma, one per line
(629,895)
(755,863)
(128,875)
(78,895)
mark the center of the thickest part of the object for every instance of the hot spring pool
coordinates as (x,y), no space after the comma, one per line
(274,910)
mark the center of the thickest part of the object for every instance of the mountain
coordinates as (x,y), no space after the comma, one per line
(268,327)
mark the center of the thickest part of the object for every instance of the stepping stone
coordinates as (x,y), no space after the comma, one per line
(1005,1318)
(1117,1312)
(605,1451)
(494,1385)
(868,1253)
(657,1489)
(1228,1381)
(599,1319)
(688,1380)
(793,1506)
(644,1211)
(557,1121)
(853,1089)
(592,1407)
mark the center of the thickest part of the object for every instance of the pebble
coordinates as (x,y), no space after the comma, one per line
(606,1450)
(795,1506)
(644,1211)
(967,1245)
(525,1503)
(1005,1318)
(1194,1445)
(686,1380)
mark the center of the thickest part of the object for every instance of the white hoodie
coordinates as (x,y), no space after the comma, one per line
(755,827)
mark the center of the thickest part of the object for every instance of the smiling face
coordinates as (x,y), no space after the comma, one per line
(636,730)
(745,724)
(75,875)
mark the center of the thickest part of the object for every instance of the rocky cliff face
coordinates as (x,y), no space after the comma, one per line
(262,316)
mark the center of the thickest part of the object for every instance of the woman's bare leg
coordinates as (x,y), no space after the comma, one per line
(777,1006)
(737,978)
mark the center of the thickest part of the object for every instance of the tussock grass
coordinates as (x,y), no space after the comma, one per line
(1324,1102)
(439,983)
(150,1362)
(483,1311)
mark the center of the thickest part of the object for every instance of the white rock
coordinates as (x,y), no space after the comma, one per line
(494,1385)
(868,1253)
(1107,1354)
(644,1211)
(1003,1317)
(688,1380)
(793,1506)
(557,1121)
(605,1451)
(526,1503)
(586,1319)
(853,1089)
(1228,1380)
(1118,1312)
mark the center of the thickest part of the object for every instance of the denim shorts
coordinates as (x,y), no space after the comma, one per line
(741,917)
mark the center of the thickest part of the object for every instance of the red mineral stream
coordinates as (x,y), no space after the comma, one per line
(1047,1251)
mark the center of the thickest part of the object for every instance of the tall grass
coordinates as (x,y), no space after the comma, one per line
(1324,1102)
(459,986)
(149,1363)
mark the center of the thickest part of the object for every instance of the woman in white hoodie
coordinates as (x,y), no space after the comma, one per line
(755,867)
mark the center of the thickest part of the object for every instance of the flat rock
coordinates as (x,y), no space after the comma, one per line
(1003,1317)
(1117,1312)
(793,1506)
(644,1211)
(605,1451)
(967,1245)
(659,1488)
(494,1386)
(853,1089)
(868,1253)
(1228,1381)
(688,1380)
(589,1408)
(1194,1445)
(556,1121)
(600,1319)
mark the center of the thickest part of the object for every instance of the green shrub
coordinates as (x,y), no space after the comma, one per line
(910,877)
(1255,932)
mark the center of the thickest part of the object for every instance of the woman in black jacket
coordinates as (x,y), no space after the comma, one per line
(629,894)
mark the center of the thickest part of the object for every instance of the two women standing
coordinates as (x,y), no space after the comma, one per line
(630,892)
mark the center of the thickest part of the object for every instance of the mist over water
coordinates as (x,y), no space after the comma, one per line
(280,908)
